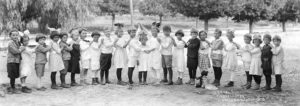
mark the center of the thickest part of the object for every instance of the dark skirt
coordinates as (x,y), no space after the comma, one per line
(192,62)
(105,61)
(74,66)
(13,70)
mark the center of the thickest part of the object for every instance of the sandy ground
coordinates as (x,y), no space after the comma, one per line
(149,95)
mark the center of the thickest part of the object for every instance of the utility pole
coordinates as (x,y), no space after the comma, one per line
(131,12)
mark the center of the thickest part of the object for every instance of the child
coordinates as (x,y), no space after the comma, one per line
(133,49)
(13,59)
(55,59)
(155,61)
(95,60)
(204,61)
(266,57)
(217,56)
(27,62)
(277,61)
(74,66)
(41,59)
(85,58)
(143,59)
(230,60)
(178,55)
(246,58)
(166,51)
(193,46)
(107,43)
(120,55)
(255,66)
(66,56)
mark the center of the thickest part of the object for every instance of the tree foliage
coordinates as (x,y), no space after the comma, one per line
(155,7)
(202,9)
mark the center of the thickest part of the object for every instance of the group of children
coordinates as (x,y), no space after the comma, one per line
(143,50)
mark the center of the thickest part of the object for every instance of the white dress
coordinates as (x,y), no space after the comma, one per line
(143,59)
(95,54)
(277,60)
(246,56)
(255,67)
(230,61)
(120,55)
(133,52)
(155,61)
(55,59)
(27,62)
(179,63)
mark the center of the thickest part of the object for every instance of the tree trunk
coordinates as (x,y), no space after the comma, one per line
(113,16)
(283,26)
(206,25)
(251,26)
(160,19)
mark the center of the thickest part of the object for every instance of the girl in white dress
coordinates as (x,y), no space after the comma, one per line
(230,59)
(144,57)
(155,64)
(27,62)
(246,58)
(277,61)
(255,66)
(178,56)
(95,60)
(55,58)
(133,52)
(120,55)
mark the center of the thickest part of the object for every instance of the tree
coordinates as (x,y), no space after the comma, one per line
(113,7)
(230,9)
(155,7)
(255,10)
(55,13)
(289,12)
(202,9)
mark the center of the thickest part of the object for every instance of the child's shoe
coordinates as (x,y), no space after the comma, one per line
(217,83)
(179,82)
(64,85)
(41,89)
(170,83)
(94,81)
(85,82)
(189,82)
(266,88)
(145,83)
(74,84)
(256,87)
(230,84)
(54,86)
(192,82)
(278,89)
(107,81)
(26,90)
(164,81)
(248,86)
(97,80)
(121,83)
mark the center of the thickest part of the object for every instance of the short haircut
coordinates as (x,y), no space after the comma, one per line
(167,28)
(179,32)
(23,38)
(248,36)
(231,32)
(276,37)
(81,30)
(13,30)
(63,34)
(54,34)
(95,34)
(202,32)
(218,31)
(193,30)
(156,29)
(39,36)
(268,36)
